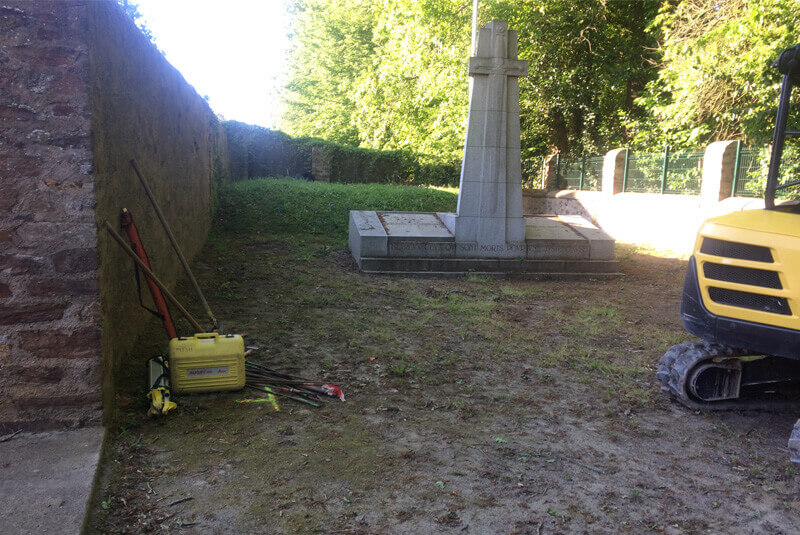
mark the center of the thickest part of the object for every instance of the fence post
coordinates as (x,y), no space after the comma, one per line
(665,169)
(625,170)
(558,169)
(583,166)
(735,180)
(542,177)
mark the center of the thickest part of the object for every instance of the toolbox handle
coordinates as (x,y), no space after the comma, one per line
(206,335)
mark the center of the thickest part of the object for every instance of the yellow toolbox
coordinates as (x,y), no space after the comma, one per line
(206,362)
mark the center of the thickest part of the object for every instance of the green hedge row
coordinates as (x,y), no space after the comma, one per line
(258,152)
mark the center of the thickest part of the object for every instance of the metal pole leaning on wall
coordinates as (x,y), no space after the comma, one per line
(665,169)
(177,248)
(735,181)
(151,275)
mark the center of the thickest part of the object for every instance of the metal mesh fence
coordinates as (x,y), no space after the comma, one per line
(752,168)
(533,173)
(584,174)
(644,173)
(569,170)
(684,172)
(751,173)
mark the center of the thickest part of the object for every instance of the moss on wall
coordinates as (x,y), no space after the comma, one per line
(143,109)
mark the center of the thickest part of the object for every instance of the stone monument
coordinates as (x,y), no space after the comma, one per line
(488,234)
(490,192)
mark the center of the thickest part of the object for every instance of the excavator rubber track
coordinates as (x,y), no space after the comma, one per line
(676,367)
(707,376)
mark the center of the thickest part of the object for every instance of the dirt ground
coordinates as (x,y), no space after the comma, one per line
(473,406)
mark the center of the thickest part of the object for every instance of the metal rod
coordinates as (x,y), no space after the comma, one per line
(736,168)
(174,242)
(665,169)
(126,221)
(625,169)
(152,276)
(777,142)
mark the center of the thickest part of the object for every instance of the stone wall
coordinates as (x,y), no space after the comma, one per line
(50,368)
(142,108)
(82,92)
(664,222)
(661,221)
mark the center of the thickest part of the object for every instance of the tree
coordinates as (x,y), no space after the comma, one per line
(131,8)
(588,60)
(385,74)
(332,48)
(715,81)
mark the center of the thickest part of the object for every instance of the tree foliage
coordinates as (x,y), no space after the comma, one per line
(714,80)
(382,74)
(391,74)
(588,60)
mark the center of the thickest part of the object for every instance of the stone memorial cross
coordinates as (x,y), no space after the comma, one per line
(489,218)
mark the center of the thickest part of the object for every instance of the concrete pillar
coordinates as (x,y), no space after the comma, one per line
(719,163)
(549,178)
(614,171)
(321,164)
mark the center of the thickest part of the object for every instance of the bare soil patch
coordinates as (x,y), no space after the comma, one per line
(473,406)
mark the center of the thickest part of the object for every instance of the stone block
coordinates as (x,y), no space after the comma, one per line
(88,399)
(5,291)
(35,373)
(794,443)
(9,198)
(49,344)
(719,163)
(424,248)
(550,239)
(482,250)
(63,287)
(21,314)
(515,229)
(367,236)
(614,171)
(601,245)
(413,225)
(449,221)
(39,235)
(20,264)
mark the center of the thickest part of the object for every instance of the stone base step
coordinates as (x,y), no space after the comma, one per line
(492,267)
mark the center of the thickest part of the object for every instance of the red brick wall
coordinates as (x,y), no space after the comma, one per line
(49,294)
(82,91)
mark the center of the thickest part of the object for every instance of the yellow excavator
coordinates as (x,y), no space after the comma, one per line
(741,297)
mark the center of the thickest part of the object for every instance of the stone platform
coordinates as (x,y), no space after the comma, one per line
(424,243)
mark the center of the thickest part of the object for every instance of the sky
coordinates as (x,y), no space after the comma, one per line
(233,51)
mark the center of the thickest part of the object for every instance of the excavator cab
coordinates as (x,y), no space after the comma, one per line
(741,297)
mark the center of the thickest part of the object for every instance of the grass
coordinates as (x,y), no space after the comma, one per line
(297,211)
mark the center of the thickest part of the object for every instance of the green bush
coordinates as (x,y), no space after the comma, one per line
(258,152)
